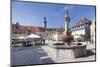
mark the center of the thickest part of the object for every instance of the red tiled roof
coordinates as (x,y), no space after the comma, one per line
(82,21)
(33,29)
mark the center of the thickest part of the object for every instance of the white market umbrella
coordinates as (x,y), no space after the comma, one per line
(21,37)
(33,36)
(77,36)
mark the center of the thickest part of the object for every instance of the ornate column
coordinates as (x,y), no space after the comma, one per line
(45,24)
(45,29)
(67,21)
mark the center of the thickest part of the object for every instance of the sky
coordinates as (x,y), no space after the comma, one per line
(32,13)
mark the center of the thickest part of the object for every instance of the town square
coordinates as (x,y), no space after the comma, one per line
(48,33)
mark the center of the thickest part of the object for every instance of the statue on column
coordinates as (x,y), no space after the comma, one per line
(45,24)
(67,21)
(45,27)
(67,37)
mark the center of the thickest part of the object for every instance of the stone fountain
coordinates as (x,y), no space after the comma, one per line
(67,50)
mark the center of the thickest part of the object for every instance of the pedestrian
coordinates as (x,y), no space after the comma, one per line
(43,41)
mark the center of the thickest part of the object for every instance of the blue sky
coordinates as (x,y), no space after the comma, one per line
(30,13)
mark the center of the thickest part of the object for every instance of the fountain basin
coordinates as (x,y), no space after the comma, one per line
(68,51)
